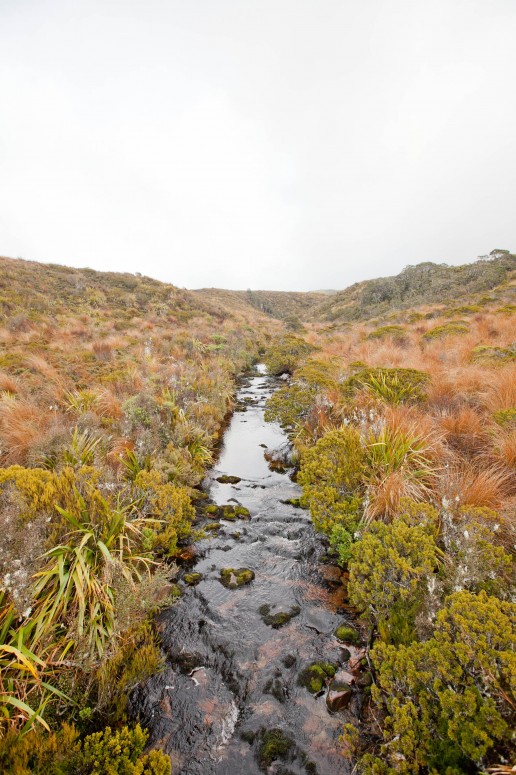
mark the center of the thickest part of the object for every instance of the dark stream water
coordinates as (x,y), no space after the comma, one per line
(228,672)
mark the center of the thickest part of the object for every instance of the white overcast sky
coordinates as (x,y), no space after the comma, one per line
(284,144)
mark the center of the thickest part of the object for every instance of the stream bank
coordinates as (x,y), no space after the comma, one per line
(255,679)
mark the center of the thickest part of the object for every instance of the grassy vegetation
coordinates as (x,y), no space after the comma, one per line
(407,454)
(113,392)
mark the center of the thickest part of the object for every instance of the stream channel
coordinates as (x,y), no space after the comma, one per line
(230,676)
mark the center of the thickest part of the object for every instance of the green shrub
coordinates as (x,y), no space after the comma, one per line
(453,328)
(388,576)
(394,386)
(397,332)
(485,353)
(286,354)
(117,752)
(331,476)
(450,700)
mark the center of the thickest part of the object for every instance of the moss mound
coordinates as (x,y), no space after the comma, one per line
(280,618)
(347,634)
(275,745)
(236,577)
(315,676)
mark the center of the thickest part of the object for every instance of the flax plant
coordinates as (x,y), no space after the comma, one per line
(75,586)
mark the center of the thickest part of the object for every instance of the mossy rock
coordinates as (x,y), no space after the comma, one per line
(347,634)
(211,510)
(225,479)
(316,676)
(192,578)
(242,512)
(275,745)
(236,577)
(236,535)
(228,513)
(280,618)
(212,526)
(198,495)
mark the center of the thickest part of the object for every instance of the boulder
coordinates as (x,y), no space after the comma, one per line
(338,699)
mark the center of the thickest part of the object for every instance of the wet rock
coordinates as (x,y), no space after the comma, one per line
(275,687)
(289,660)
(316,676)
(355,662)
(365,679)
(338,699)
(342,679)
(225,479)
(236,536)
(186,554)
(192,578)
(347,634)
(236,577)
(280,618)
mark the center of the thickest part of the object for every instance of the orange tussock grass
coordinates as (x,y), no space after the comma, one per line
(501,454)
(22,426)
(464,430)
(8,383)
(40,365)
(385,496)
(488,486)
(117,451)
(501,390)
(108,405)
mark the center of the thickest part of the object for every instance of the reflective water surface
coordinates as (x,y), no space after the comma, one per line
(229,675)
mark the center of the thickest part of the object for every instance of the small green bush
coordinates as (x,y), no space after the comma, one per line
(394,386)
(453,328)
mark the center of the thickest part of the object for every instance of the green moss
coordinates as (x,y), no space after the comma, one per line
(211,509)
(228,513)
(347,634)
(241,511)
(236,577)
(280,618)
(275,745)
(212,526)
(315,676)
(192,578)
(225,479)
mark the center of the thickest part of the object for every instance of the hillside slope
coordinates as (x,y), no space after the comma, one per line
(278,304)
(425,283)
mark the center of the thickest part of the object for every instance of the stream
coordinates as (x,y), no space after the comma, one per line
(232,673)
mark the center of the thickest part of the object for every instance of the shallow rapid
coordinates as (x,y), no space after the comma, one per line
(230,676)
